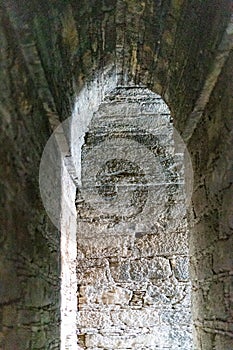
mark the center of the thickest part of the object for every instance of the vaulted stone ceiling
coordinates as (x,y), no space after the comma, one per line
(49,50)
(172,47)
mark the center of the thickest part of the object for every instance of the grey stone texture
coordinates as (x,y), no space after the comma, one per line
(49,52)
(30,257)
(211,238)
(132,187)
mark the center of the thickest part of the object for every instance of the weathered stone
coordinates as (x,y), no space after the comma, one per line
(131,228)
(181,50)
(180,266)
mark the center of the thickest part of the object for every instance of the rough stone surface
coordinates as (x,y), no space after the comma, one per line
(211,240)
(129,297)
(30,257)
(49,51)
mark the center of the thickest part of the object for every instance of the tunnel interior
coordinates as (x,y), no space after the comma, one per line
(60,60)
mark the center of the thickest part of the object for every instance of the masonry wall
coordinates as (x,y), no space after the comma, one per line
(211,239)
(171,47)
(30,258)
(132,236)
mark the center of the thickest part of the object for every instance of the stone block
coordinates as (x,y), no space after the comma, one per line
(223,341)
(180,267)
(222,256)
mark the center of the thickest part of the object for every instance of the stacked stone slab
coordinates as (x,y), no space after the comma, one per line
(133,281)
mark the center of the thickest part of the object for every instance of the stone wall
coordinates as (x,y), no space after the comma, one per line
(132,263)
(211,239)
(30,258)
(48,51)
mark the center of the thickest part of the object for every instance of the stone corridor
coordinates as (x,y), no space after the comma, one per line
(106,252)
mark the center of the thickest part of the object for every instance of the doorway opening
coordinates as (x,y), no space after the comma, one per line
(132,237)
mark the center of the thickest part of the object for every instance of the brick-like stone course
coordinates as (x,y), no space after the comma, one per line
(171,47)
(132,294)
(211,237)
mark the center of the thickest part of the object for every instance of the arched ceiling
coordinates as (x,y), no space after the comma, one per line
(177,48)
